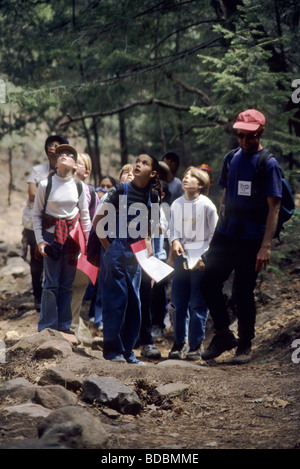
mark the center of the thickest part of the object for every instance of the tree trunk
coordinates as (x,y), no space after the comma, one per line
(10,185)
(123,139)
(96,150)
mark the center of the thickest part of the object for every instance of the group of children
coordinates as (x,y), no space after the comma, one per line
(63,201)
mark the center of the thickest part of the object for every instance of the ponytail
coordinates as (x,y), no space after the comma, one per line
(155,182)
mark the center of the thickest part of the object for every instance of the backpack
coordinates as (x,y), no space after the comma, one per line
(93,196)
(287,206)
(93,247)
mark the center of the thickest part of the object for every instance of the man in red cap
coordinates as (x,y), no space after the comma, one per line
(242,240)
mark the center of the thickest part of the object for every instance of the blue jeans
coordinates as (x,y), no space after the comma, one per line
(56,312)
(191,311)
(121,308)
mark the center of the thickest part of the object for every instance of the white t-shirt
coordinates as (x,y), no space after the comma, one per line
(38,173)
(62,202)
(193,221)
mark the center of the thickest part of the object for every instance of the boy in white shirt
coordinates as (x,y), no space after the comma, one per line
(192,225)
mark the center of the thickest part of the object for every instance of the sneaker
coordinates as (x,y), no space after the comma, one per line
(115,357)
(157,332)
(219,344)
(194,354)
(150,351)
(67,331)
(132,360)
(178,351)
(242,355)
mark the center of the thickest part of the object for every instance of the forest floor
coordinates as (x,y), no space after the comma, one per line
(226,406)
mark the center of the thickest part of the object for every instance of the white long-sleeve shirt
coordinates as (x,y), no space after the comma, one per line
(62,202)
(193,221)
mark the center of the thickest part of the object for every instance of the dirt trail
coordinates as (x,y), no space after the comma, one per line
(226,407)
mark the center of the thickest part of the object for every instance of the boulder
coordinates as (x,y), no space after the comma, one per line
(53,348)
(59,376)
(17,391)
(29,344)
(73,427)
(22,420)
(112,393)
(54,396)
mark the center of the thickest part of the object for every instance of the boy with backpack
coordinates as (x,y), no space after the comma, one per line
(242,241)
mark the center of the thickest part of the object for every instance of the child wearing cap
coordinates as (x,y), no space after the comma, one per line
(38,173)
(53,219)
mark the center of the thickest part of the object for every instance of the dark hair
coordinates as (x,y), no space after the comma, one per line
(172,155)
(164,187)
(112,180)
(55,138)
(155,182)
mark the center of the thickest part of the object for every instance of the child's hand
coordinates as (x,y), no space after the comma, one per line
(41,248)
(177,248)
(199,265)
(149,247)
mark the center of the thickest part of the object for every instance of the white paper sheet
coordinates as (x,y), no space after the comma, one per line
(155,268)
(193,252)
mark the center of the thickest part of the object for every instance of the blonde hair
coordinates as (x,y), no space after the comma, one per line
(202,177)
(126,168)
(87,161)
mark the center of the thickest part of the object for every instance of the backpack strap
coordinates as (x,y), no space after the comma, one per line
(259,175)
(79,186)
(227,159)
(93,195)
(47,192)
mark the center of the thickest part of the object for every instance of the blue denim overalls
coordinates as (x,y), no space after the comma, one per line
(120,283)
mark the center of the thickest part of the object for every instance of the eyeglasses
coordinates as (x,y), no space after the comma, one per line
(241,136)
(69,155)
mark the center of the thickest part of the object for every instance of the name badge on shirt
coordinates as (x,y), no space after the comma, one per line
(244,188)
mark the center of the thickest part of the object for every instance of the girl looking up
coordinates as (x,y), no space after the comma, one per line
(120,272)
(59,204)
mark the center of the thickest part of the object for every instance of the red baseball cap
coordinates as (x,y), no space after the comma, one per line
(205,167)
(249,120)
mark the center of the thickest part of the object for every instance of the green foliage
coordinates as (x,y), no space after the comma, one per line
(288,247)
(76,58)
(242,78)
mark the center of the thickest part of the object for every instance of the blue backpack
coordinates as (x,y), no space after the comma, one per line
(287,207)
(94,246)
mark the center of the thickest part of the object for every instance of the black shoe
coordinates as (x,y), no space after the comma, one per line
(219,344)
(178,351)
(243,355)
(68,331)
